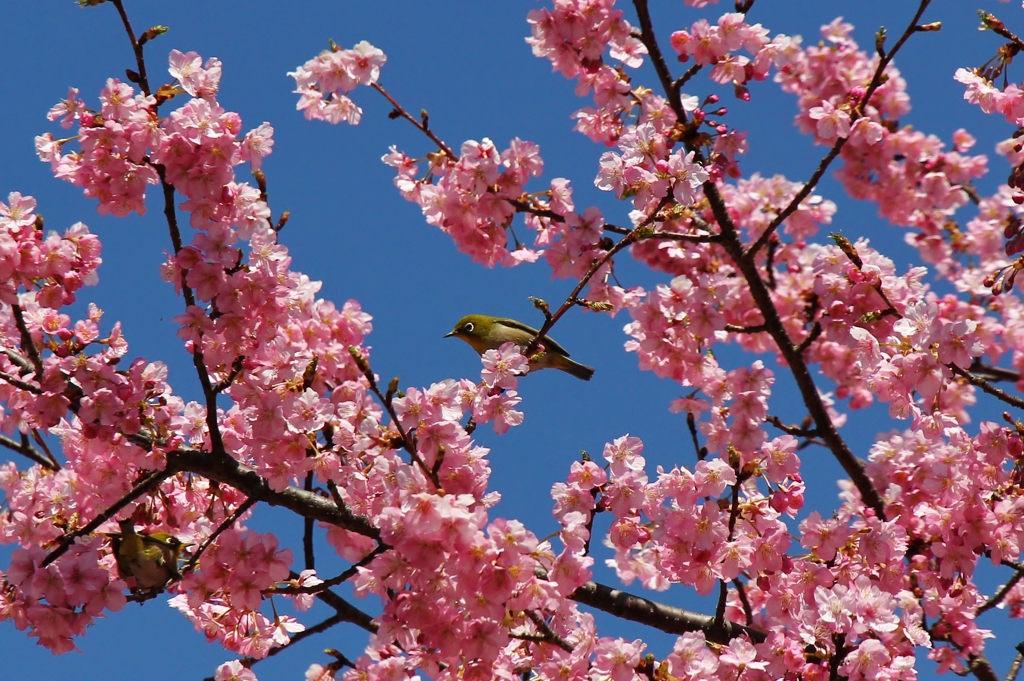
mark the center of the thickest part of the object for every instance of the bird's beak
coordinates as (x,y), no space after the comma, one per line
(449,334)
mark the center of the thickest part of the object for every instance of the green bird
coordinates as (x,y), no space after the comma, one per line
(150,558)
(485,333)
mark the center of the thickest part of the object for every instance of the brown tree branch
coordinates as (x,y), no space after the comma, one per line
(991,373)
(346,575)
(667,618)
(759,291)
(422,126)
(227,471)
(28,451)
(987,387)
(140,60)
(27,344)
(999,595)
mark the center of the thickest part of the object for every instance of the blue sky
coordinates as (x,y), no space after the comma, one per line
(468,65)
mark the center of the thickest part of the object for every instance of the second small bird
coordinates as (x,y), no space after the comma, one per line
(485,333)
(150,557)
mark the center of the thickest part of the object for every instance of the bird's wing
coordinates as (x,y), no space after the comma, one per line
(549,343)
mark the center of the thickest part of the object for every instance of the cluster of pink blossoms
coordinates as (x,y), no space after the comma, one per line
(472,196)
(224,596)
(716,45)
(294,371)
(573,36)
(50,266)
(196,145)
(69,382)
(912,178)
(463,595)
(324,81)
(877,334)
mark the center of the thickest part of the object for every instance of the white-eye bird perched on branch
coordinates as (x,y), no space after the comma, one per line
(150,558)
(485,333)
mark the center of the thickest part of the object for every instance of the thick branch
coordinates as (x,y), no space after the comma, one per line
(982,669)
(225,470)
(1011,673)
(663,617)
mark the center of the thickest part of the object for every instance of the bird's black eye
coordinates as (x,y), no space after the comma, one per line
(468,328)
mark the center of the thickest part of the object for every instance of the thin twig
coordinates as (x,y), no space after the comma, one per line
(210,395)
(691,424)
(20,384)
(42,445)
(140,61)
(856,114)
(422,127)
(741,592)
(628,240)
(345,609)
(993,373)
(319,628)
(27,344)
(346,575)
(236,368)
(811,337)
(225,524)
(658,60)
(675,236)
(307,530)
(141,487)
(407,442)
(795,431)
(547,635)
(987,387)
(998,596)
(679,82)
(736,328)
(18,360)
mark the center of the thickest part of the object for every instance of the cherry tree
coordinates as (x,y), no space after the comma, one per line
(923,538)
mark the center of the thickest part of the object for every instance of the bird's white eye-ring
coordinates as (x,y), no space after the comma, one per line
(468,328)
